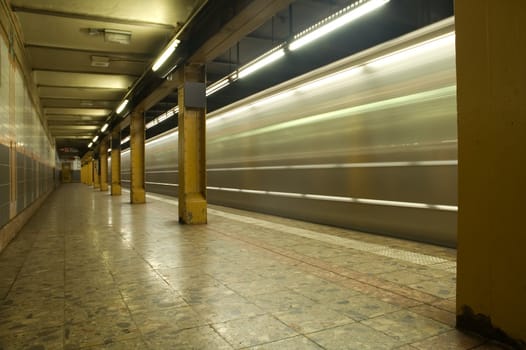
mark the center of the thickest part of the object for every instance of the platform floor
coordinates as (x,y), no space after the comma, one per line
(92,271)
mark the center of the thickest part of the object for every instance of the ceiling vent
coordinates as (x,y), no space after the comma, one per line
(100,61)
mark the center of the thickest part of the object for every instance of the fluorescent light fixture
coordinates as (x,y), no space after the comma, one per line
(104,127)
(217,86)
(95,138)
(407,53)
(122,106)
(166,53)
(124,140)
(109,150)
(261,62)
(339,19)
(161,118)
(100,61)
(117,36)
(90,144)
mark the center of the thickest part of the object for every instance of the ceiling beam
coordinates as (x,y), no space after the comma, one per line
(86,17)
(251,17)
(254,14)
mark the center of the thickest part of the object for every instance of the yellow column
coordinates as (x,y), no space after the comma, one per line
(82,171)
(192,152)
(90,172)
(103,156)
(116,162)
(137,191)
(491,71)
(96,174)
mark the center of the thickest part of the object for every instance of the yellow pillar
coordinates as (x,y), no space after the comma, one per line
(103,156)
(491,71)
(82,171)
(116,162)
(192,152)
(96,173)
(137,190)
(90,172)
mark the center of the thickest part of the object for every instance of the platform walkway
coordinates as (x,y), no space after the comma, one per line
(92,271)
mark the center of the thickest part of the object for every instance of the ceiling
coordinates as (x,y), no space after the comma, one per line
(82,61)
(82,74)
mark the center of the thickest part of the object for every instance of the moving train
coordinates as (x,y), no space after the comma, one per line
(367,143)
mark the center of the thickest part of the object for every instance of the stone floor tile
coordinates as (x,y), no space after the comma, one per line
(257,286)
(176,317)
(99,331)
(436,314)
(227,309)
(42,339)
(312,318)
(405,277)
(130,344)
(451,340)
(355,336)
(443,287)
(406,326)
(295,343)
(326,292)
(362,307)
(253,331)
(280,301)
(152,302)
(193,338)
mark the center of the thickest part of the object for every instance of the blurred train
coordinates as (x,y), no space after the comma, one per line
(367,143)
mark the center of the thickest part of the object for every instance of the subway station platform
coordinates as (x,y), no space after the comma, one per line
(93,271)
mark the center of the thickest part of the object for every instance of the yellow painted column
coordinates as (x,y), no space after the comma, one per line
(192,151)
(96,173)
(103,156)
(116,162)
(82,172)
(137,190)
(491,96)
(90,172)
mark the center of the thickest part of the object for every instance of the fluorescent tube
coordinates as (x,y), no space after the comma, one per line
(104,127)
(166,53)
(260,63)
(307,36)
(122,106)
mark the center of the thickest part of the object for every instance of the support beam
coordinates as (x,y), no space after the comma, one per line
(90,172)
(491,90)
(192,152)
(137,190)
(103,154)
(96,173)
(116,162)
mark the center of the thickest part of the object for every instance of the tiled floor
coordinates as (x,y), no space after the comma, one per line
(92,271)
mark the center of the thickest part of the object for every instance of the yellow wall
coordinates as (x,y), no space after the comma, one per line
(491,73)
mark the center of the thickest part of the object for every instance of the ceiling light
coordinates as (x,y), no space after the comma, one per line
(166,54)
(122,106)
(100,61)
(261,62)
(124,140)
(104,127)
(117,36)
(349,14)
(90,144)
(95,138)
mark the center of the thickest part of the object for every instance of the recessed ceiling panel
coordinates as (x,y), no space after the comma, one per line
(96,81)
(168,12)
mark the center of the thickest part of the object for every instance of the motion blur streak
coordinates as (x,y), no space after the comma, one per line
(373,150)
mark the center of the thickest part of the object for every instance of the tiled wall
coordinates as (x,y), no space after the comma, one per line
(27,157)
